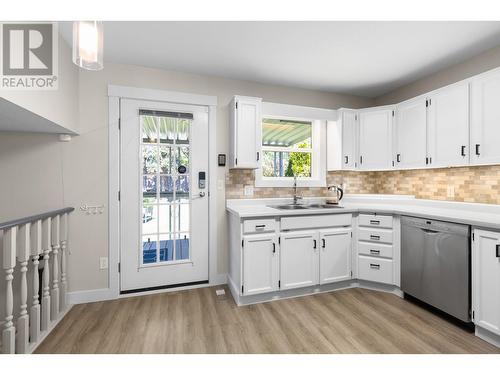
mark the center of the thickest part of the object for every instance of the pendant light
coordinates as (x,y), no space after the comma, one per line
(87,44)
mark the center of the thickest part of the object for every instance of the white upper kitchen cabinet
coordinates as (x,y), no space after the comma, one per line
(335,255)
(299,259)
(448,126)
(245,117)
(349,130)
(260,264)
(410,136)
(375,139)
(485,118)
(486,280)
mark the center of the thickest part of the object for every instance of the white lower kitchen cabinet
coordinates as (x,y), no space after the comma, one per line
(299,259)
(486,280)
(335,255)
(260,264)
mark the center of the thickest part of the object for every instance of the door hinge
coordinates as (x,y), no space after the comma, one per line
(119,195)
(119,267)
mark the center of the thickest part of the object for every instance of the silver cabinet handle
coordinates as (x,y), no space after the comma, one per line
(374,237)
(375,252)
(375,266)
(375,222)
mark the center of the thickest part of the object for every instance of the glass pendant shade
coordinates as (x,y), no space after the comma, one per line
(88,44)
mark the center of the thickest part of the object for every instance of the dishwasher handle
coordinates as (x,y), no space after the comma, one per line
(498,251)
(429,231)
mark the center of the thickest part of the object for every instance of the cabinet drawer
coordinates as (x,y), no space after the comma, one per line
(376,221)
(375,249)
(375,269)
(259,226)
(316,221)
(375,235)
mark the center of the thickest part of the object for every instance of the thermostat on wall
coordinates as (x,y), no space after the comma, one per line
(222,160)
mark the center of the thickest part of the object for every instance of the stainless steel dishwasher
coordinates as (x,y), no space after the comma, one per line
(435,264)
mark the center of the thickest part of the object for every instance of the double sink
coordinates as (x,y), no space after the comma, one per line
(304,206)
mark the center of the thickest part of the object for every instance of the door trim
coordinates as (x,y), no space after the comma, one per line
(115,93)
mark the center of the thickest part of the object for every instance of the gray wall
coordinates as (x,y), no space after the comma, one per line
(475,65)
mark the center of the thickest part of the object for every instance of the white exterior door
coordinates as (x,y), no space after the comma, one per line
(448,136)
(164,195)
(411,134)
(375,139)
(349,140)
(486,280)
(335,255)
(260,264)
(299,259)
(485,119)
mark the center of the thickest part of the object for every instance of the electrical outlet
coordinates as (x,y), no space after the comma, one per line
(248,191)
(103,263)
(450,192)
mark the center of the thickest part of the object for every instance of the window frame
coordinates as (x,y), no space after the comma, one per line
(318,152)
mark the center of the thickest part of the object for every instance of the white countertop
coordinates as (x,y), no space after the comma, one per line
(475,214)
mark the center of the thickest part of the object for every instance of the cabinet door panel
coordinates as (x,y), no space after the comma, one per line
(248,122)
(486,280)
(448,136)
(349,140)
(335,255)
(411,130)
(299,259)
(375,140)
(260,264)
(485,119)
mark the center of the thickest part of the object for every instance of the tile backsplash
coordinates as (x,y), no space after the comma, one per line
(465,184)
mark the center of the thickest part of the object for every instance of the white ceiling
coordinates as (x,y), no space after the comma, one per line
(361,58)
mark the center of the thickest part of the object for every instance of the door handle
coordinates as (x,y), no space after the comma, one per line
(323,242)
(274,247)
(463,150)
(398,158)
(200,195)
(314,244)
(346,159)
(477,149)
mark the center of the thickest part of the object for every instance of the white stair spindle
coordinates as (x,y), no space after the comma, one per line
(46,246)
(9,263)
(36,250)
(64,239)
(55,242)
(23,254)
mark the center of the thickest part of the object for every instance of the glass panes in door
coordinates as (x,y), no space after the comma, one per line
(165,168)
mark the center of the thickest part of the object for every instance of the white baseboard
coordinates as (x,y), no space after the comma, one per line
(87,296)
(488,336)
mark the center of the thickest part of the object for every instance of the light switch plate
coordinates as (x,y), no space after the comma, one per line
(248,191)
(103,263)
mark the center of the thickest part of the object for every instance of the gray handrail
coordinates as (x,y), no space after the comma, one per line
(28,219)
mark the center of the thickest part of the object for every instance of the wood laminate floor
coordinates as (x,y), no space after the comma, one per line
(196,321)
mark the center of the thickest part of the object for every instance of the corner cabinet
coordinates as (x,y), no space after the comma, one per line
(410,134)
(486,280)
(244,129)
(375,139)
